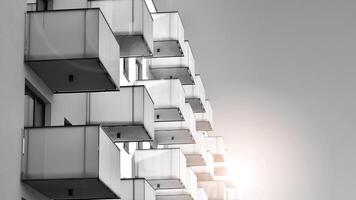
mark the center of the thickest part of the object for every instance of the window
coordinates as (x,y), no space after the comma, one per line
(44,5)
(138,70)
(126,68)
(34,109)
(67,122)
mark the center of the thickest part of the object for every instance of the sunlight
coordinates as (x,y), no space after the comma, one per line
(243,174)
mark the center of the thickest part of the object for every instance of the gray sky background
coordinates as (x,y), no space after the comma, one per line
(281,76)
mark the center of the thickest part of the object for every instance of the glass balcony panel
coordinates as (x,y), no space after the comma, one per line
(171,175)
(215,144)
(214,189)
(205,120)
(189,193)
(205,172)
(131,23)
(168,34)
(168,99)
(195,95)
(201,194)
(137,189)
(69,56)
(71,162)
(182,68)
(127,115)
(177,132)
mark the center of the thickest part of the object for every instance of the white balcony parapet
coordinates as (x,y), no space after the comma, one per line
(182,68)
(77,162)
(137,188)
(196,154)
(69,56)
(232,194)
(195,95)
(127,115)
(215,144)
(205,172)
(131,23)
(205,120)
(162,168)
(177,132)
(201,194)
(189,193)
(168,34)
(168,99)
(215,190)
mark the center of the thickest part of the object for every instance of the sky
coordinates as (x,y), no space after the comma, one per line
(281,76)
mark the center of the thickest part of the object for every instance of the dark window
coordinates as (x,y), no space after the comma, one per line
(34,109)
(139,145)
(67,122)
(42,5)
(126,68)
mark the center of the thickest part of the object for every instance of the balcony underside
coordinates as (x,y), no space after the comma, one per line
(196,104)
(127,133)
(181,73)
(167,48)
(180,136)
(73,75)
(133,46)
(195,160)
(220,171)
(86,188)
(204,176)
(174,197)
(166,183)
(219,158)
(168,114)
(203,126)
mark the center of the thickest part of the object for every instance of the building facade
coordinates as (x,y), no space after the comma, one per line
(101,100)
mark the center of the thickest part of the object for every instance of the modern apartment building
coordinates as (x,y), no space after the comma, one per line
(101,100)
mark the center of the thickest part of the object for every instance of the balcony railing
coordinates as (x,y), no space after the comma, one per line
(201,194)
(195,95)
(214,189)
(131,23)
(168,98)
(69,56)
(205,172)
(137,188)
(189,193)
(148,164)
(168,34)
(177,132)
(196,154)
(78,162)
(182,68)
(127,115)
(205,120)
(215,144)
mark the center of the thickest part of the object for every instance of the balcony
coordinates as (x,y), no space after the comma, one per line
(201,194)
(205,120)
(168,98)
(195,154)
(180,68)
(232,194)
(125,116)
(220,169)
(78,162)
(189,193)
(205,172)
(215,144)
(137,188)
(214,189)
(69,56)
(131,23)
(195,95)
(177,132)
(170,175)
(168,34)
